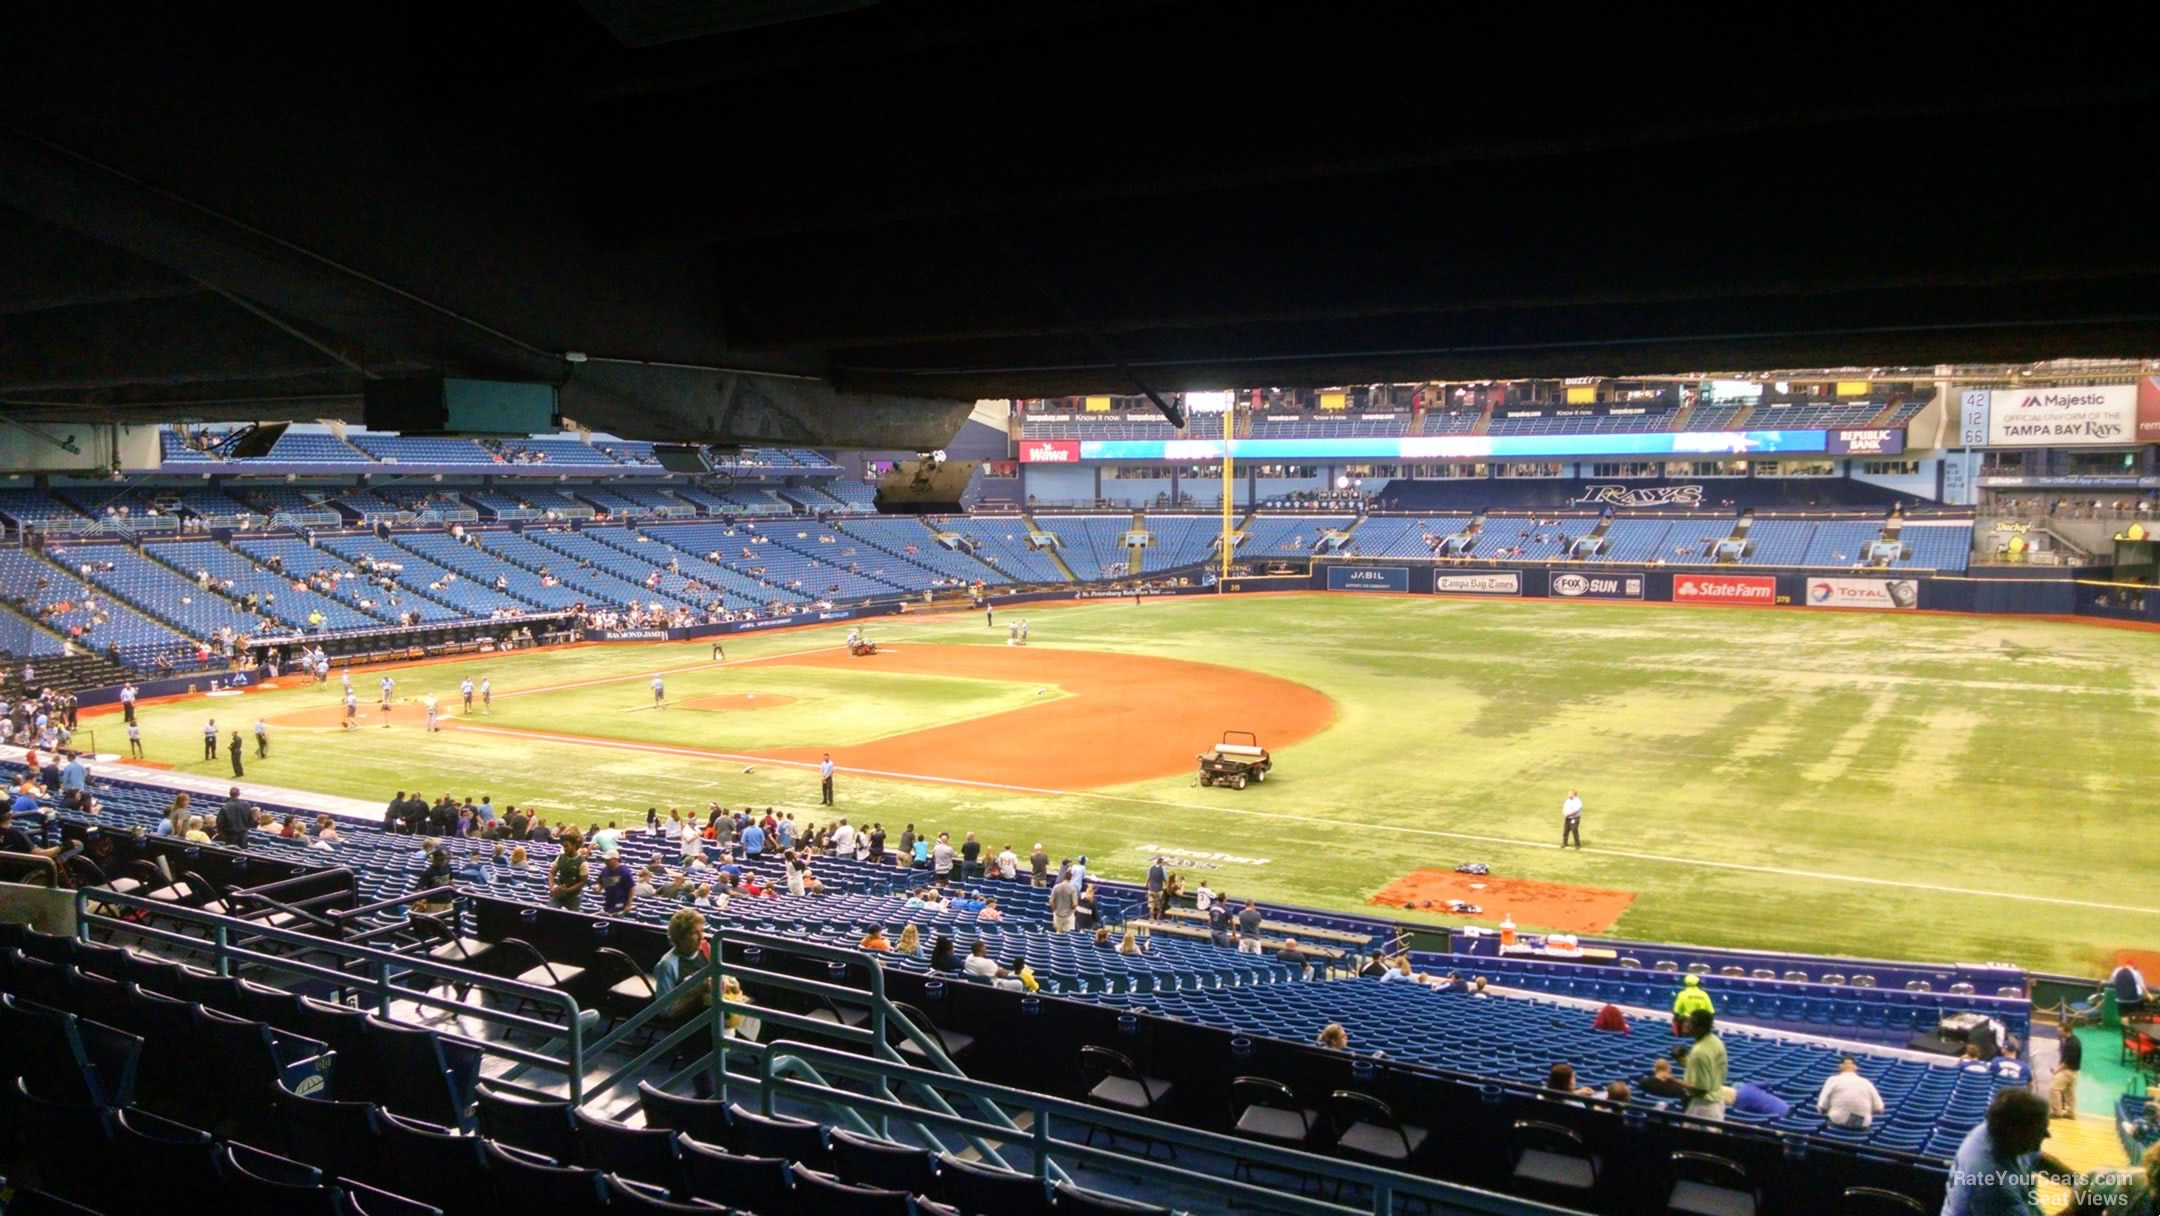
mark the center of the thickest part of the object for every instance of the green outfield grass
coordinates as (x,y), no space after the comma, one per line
(1900,786)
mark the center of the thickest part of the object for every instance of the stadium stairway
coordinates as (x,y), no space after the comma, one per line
(1056,552)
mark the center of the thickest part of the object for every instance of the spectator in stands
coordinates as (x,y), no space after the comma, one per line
(436,875)
(1249,920)
(2000,1160)
(1610,1018)
(1619,1093)
(618,887)
(910,943)
(1661,1081)
(942,957)
(1130,943)
(15,840)
(1088,911)
(688,951)
(1294,957)
(1705,1075)
(1560,1079)
(982,966)
(1748,1098)
(1689,1000)
(2062,1087)
(1219,922)
(235,819)
(1849,1099)
(1334,1036)
(326,830)
(568,876)
(195,833)
(990,911)
(1064,903)
(875,940)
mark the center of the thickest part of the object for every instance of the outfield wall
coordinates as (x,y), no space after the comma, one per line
(1888,591)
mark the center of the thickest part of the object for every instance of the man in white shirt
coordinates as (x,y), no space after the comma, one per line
(1203,896)
(1008,863)
(825,772)
(429,702)
(1571,820)
(979,963)
(843,840)
(1849,1099)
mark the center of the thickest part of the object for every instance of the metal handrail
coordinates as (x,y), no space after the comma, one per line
(1384,1186)
(32,861)
(384,969)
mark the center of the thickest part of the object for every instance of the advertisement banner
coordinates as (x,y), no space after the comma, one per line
(1973,418)
(1368,578)
(1049,451)
(1598,586)
(1757,589)
(1506,582)
(1882,442)
(1455,447)
(1899,593)
(2106,413)
(2148,415)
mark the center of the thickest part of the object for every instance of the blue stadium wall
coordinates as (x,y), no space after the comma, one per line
(2035,592)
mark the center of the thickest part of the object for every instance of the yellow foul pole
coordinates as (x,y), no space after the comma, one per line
(1229,416)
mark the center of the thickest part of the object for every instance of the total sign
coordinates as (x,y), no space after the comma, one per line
(1894,593)
(1598,586)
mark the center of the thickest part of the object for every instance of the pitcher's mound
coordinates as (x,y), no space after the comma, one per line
(1560,907)
(739,700)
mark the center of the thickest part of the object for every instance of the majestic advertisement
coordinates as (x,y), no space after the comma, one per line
(2055,417)
(1754,589)
(1368,578)
(1863,593)
(1506,582)
(1049,451)
(1598,586)
(1446,447)
(1887,441)
(2148,415)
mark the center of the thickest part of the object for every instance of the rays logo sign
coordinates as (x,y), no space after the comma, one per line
(1640,496)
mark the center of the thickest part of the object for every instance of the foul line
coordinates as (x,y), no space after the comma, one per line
(1436,833)
(707,665)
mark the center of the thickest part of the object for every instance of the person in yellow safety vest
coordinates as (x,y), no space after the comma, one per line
(1690,998)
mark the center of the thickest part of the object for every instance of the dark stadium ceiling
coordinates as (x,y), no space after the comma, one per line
(228,211)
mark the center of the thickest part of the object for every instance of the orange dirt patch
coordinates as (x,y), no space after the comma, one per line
(1126,718)
(1545,905)
(156,764)
(740,700)
(2146,961)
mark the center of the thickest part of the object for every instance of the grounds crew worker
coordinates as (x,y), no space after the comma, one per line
(1690,998)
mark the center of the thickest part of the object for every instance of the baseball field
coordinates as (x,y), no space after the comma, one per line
(1885,785)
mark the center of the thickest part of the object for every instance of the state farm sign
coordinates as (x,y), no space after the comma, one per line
(1724,589)
(1050,451)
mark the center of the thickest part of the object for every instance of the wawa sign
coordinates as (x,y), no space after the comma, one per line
(1050,451)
